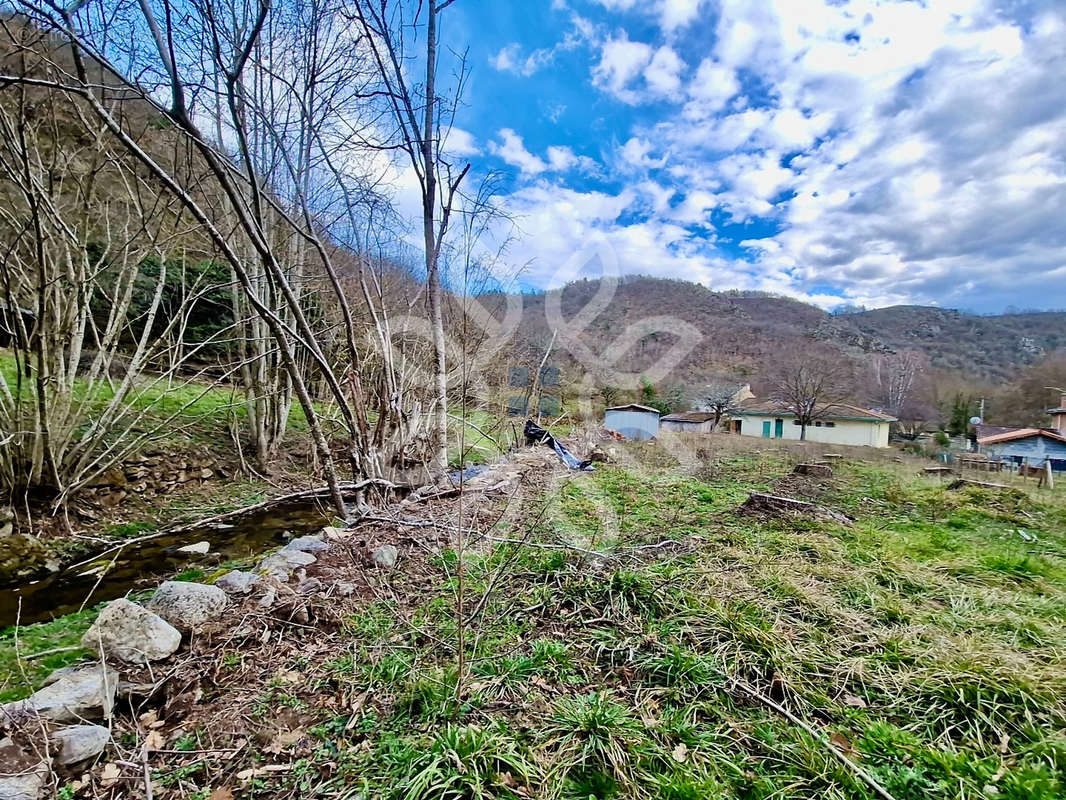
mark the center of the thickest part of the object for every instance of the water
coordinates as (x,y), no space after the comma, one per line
(142,565)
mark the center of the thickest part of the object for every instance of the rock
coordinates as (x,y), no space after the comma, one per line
(26,785)
(385,556)
(268,599)
(309,586)
(345,589)
(199,548)
(79,742)
(335,534)
(20,556)
(598,455)
(131,633)
(73,694)
(307,544)
(237,582)
(281,564)
(186,605)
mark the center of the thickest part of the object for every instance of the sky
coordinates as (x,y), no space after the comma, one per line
(866,152)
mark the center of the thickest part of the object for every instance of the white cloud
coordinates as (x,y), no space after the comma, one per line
(663,73)
(510,59)
(512,150)
(461,143)
(674,14)
(621,61)
(907,152)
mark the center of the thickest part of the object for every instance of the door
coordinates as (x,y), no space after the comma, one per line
(766,429)
(779,429)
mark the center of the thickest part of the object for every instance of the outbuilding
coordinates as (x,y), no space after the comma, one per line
(689,422)
(633,421)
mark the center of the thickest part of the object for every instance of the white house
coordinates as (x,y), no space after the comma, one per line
(842,424)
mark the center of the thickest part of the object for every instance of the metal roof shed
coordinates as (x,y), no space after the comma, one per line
(633,421)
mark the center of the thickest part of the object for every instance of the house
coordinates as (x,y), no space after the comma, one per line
(633,421)
(1030,446)
(842,423)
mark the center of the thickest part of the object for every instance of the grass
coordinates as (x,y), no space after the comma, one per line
(21,671)
(925,641)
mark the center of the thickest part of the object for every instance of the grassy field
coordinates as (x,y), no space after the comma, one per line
(649,640)
(925,643)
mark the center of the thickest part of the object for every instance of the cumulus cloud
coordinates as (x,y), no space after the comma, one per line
(896,151)
(512,149)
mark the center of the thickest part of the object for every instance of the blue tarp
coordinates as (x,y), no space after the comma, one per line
(537,435)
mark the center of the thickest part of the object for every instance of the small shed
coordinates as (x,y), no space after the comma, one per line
(633,421)
(689,422)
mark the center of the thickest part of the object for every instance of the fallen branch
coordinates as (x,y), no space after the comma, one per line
(865,776)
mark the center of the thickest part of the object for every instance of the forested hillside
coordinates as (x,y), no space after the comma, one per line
(746,332)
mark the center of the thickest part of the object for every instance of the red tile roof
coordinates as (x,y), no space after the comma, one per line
(1021,433)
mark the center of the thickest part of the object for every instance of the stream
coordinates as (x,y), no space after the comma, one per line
(143,564)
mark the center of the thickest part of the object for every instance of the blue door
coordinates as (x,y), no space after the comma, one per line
(766,429)
(779,428)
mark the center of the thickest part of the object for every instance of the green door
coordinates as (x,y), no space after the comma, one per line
(766,429)
(779,428)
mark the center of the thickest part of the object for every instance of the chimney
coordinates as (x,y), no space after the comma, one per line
(1058,416)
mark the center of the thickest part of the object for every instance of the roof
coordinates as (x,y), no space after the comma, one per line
(634,407)
(1057,410)
(1021,433)
(690,416)
(843,411)
(984,431)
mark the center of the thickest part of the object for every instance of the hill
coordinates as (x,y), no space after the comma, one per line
(744,331)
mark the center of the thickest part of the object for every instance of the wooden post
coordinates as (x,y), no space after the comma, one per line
(1048,476)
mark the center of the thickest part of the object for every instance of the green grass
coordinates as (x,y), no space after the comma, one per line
(926,639)
(20,672)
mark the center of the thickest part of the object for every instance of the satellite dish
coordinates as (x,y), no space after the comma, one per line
(975,420)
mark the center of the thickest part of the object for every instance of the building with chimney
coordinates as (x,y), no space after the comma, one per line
(1033,447)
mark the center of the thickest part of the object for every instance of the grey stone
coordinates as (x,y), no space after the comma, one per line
(199,549)
(238,582)
(131,633)
(79,742)
(186,605)
(345,589)
(78,693)
(307,544)
(268,599)
(309,586)
(385,556)
(26,785)
(281,564)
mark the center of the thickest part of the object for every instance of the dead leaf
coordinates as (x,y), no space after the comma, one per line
(221,793)
(110,774)
(284,740)
(680,753)
(854,701)
(154,741)
(248,774)
(843,744)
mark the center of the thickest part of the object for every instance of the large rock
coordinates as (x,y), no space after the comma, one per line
(308,544)
(72,694)
(237,582)
(195,549)
(385,556)
(24,786)
(131,633)
(281,564)
(186,605)
(79,742)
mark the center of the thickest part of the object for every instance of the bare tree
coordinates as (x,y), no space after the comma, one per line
(810,385)
(423,121)
(895,378)
(717,397)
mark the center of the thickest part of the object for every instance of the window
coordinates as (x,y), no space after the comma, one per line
(818,424)
(830,424)
(795,422)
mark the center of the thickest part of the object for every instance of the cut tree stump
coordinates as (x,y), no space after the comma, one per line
(775,505)
(962,483)
(814,470)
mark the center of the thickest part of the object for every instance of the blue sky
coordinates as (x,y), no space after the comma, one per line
(862,151)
